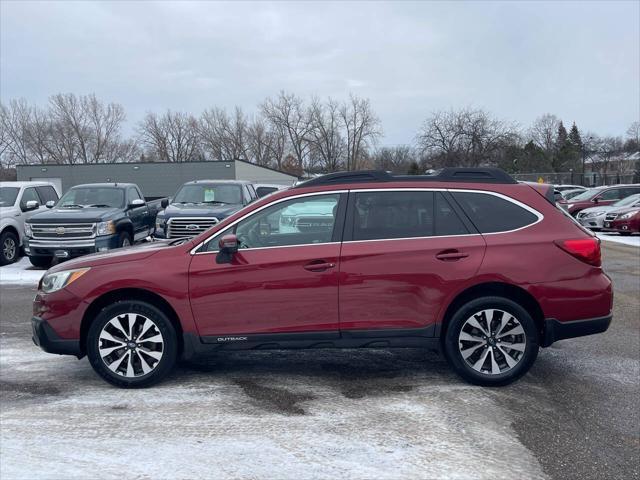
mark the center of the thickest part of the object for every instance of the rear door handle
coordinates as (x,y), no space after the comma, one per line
(319,266)
(451,255)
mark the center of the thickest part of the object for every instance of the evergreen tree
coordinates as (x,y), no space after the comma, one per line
(562,154)
(575,146)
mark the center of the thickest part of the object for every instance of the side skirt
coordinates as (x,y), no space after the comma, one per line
(195,345)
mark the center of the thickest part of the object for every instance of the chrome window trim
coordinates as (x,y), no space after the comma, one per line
(531,210)
(194,251)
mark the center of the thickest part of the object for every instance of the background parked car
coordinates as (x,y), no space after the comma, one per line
(598,196)
(200,204)
(264,189)
(625,221)
(89,218)
(593,217)
(18,202)
(569,194)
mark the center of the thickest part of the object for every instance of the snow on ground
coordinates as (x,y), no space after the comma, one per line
(20,273)
(633,240)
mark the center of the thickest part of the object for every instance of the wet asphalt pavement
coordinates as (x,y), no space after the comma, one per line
(317,414)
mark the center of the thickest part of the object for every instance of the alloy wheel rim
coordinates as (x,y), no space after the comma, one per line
(492,341)
(9,249)
(131,345)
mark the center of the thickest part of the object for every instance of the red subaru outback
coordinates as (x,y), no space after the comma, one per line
(467,260)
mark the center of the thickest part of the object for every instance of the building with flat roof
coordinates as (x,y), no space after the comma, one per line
(156,180)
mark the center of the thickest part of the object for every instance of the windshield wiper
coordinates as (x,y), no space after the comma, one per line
(73,205)
(216,201)
(99,205)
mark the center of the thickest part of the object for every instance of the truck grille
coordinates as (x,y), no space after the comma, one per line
(64,231)
(189,226)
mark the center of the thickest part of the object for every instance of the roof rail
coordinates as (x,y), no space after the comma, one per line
(449,174)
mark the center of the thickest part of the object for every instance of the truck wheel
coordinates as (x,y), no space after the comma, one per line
(124,240)
(9,248)
(491,341)
(41,262)
(132,344)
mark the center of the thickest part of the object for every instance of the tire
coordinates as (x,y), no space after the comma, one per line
(124,240)
(41,262)
(500,358)
(9,248)
(625,234)
(125,361)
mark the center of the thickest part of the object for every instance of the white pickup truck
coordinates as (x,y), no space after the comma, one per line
(18,202)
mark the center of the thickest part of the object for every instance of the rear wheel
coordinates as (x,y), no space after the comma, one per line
(491,341)
(41,262)
(132,344)
(9,248)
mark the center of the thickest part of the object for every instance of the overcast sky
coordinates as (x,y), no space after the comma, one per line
(579,60)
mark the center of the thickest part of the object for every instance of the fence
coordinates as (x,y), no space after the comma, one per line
(589,179)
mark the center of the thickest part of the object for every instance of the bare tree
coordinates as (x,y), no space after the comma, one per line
(543,132)
(172,137)
(287,114)
(224,137)
(15,120)
(396,159)
(264,146)
(325,135)
(362,129)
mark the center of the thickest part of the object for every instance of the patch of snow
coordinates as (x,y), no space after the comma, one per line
(633,240)
(20,273)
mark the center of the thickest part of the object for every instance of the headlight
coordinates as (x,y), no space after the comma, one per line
(106,228)
(160,222)
(52,282)
(27,230)
(569,205)
(626,215)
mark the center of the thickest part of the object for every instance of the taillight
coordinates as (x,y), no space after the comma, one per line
(585,249)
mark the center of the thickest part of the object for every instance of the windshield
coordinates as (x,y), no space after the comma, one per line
(567,194)
(628,201)
(586,195)
(209,193)
(98,197)
(8,196)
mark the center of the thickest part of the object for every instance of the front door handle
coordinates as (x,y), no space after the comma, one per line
(319,266)
(451,255)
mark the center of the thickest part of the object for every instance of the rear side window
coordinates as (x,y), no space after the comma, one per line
(47,193)
(447,220)
(491,214)
(380,215)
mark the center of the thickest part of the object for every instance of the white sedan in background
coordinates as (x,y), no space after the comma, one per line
(593,217)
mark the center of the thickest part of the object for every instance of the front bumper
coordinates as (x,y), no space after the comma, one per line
(69,248)
(46,338)
(555,330)
(591,222)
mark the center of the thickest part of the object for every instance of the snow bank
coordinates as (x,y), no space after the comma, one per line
(633,240)
(20,273)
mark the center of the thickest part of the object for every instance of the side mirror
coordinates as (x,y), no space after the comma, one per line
(164,203)
(228,246)
(138,202)
(596,200)
(31,205)
(50,204)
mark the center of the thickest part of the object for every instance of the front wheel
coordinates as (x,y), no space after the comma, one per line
(9,248)
(132,344)
(491,341)
(124,240)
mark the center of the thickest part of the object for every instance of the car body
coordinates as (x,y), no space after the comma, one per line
(465,260)
(625,221)
(564,188)
(18,202)
(201,204)
(89,218)
(593,217)
(598,196)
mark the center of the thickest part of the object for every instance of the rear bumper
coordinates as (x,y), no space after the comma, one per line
(555,330)
(46,338)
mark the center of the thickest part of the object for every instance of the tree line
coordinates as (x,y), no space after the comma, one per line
(298,135)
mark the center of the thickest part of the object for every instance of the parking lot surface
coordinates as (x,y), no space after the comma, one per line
(318,414)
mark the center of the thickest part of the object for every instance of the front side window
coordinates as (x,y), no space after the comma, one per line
(99,197)
(490,213)
(300,221)
(209,193)
(8,196)
(47,193)
(29,195)
(613,194)
(393,214)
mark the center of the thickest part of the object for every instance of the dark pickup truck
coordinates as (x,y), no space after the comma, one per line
(89,218)
(199,205)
